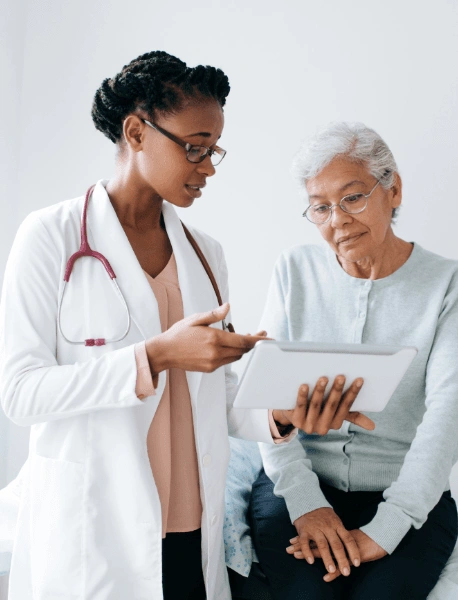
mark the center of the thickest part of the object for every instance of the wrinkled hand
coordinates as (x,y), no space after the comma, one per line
(320,414)
(326,530)
(192,345)
(368,549)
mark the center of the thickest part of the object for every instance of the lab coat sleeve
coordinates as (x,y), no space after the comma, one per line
(247,424)
(33,387)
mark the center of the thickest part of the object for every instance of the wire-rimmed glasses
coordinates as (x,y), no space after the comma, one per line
(319,214)
(195,154)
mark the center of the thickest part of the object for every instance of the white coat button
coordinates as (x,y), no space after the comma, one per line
(345,461)
(213,521)
(206,460)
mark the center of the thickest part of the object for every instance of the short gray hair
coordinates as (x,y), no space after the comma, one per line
(354,141)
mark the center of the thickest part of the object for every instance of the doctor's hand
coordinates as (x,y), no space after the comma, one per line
(319,414)
(191,344)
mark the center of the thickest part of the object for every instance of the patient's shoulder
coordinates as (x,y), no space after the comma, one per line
(303,255)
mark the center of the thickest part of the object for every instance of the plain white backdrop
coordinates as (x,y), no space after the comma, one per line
(293,66)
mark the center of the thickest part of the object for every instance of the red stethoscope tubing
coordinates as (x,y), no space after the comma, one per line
(86,251)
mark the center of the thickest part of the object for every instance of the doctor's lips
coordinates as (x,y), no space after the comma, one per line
(195,189)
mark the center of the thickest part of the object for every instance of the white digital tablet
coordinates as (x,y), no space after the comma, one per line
(275,371)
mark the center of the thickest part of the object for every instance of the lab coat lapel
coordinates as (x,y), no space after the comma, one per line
(196,289)
(108,237)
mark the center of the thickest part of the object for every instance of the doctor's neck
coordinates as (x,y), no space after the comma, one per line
(137,206)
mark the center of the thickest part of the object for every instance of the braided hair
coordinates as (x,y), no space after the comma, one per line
(155,81)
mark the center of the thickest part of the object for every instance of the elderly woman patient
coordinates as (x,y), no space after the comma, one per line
(359,514)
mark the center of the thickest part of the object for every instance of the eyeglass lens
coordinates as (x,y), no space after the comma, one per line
(320,213)
(197,154)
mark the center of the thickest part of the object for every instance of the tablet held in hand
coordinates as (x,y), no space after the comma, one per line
(275,371)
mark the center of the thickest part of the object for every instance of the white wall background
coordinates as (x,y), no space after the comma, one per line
(293,66)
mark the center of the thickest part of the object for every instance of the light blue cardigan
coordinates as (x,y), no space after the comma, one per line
(412,450)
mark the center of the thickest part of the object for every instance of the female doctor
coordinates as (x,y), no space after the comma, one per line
(113,355)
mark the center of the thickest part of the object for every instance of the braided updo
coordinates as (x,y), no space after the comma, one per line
(155,81)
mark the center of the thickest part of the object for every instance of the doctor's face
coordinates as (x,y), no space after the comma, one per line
(162,163)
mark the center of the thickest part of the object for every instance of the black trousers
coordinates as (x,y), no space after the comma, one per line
(182,577)
(409,573)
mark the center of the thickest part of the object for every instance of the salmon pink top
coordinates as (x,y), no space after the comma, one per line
(170,441)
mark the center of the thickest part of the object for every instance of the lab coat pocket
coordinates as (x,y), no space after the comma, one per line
(56,528)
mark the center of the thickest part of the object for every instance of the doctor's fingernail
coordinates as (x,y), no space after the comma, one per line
(289,548)
(346,572)
(331,569)
(356,562)
(293,540)
(359,382)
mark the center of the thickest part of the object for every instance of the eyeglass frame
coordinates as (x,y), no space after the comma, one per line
(332,206)
(187,146)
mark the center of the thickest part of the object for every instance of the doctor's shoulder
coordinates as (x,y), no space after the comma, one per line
(59,216)
(48,232)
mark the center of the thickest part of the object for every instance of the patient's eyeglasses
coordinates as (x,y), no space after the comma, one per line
(195,154)
(319,214)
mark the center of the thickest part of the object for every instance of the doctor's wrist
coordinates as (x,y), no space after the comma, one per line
(157,355)
(280,418)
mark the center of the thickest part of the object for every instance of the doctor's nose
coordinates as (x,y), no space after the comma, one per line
(206,167)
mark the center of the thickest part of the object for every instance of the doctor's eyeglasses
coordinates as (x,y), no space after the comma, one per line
(195,154)
(319,214)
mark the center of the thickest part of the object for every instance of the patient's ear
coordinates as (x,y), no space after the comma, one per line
(396,191)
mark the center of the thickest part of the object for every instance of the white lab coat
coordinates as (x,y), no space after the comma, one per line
(89,520)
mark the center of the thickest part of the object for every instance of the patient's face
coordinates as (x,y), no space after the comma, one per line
(354,237)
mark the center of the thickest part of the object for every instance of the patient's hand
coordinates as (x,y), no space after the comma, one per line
(325,528)
(369,550)
(322,413)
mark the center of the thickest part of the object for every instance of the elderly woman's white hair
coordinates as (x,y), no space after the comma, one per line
(354,141)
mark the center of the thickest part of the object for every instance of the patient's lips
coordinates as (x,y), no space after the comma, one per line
(349,239)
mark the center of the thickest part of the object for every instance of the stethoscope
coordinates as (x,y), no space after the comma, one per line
(86,250)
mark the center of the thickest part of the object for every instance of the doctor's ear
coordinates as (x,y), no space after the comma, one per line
(133,128)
